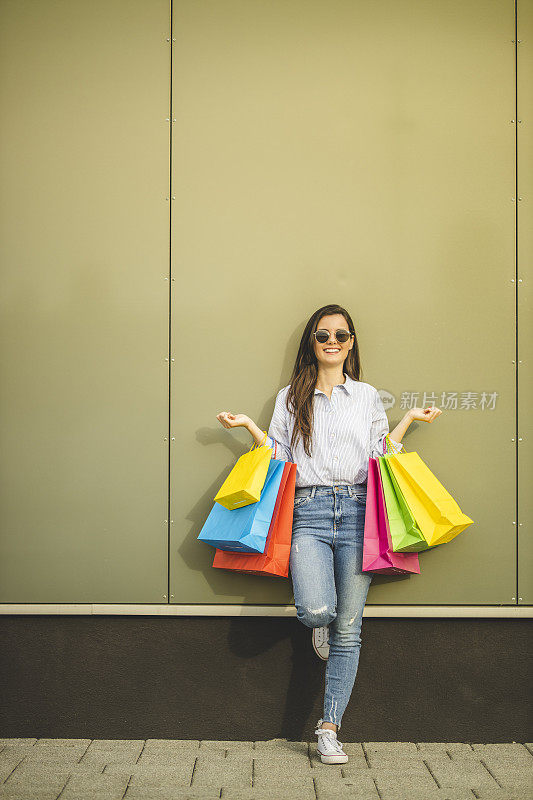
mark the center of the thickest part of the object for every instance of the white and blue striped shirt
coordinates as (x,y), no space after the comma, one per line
(347,431)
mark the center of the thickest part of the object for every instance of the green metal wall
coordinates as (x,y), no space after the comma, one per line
(85,252)
(181,187)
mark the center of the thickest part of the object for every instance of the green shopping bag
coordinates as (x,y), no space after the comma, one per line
(437,514)
(406,536)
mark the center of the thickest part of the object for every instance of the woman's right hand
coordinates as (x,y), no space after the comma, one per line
(233,420)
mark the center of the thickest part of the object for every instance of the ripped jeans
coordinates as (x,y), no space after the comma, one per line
(329,587)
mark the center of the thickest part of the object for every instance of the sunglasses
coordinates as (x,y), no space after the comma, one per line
(341,335)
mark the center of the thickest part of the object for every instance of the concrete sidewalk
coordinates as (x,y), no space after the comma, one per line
(162,769)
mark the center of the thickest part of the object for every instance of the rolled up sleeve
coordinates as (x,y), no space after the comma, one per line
(278,433)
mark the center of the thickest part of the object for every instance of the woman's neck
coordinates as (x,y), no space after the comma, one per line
(328,378)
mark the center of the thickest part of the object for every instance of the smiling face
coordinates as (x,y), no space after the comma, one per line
(339,351)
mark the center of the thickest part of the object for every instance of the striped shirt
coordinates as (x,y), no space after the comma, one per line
(347,431)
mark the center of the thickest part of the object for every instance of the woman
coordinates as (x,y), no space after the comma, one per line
(329,423)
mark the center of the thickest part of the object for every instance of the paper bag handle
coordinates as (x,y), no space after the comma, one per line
(263,440)
(389,448)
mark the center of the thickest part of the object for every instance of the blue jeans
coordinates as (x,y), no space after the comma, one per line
(329,586)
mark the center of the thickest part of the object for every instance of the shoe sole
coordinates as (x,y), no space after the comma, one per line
(332,759)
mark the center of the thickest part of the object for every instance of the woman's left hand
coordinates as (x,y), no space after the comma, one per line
(425,414)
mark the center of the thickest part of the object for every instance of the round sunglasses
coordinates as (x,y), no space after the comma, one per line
(341,335)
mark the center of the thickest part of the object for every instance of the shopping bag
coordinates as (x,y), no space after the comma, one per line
(406,536)
(246,480)
(275,559)
(378,555)
(244,530)
(437,514)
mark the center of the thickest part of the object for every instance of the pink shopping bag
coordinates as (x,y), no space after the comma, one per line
(378,555)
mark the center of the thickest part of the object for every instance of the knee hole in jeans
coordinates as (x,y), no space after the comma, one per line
(316,617)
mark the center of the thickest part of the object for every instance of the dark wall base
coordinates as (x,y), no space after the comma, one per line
(257,678)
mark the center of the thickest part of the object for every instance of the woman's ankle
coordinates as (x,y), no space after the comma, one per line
(330,725)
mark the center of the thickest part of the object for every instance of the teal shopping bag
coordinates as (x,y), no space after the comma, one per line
(245,529)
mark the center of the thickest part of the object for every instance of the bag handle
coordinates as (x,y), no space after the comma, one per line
(263,440)
(389,448)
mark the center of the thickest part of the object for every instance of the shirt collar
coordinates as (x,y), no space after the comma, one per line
(347,386)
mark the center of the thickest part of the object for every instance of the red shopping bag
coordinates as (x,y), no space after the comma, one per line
(275,559)
(378,555)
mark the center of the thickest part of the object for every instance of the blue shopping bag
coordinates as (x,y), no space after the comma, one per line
(245,529)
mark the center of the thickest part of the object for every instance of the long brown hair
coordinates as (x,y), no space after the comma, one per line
(300,397)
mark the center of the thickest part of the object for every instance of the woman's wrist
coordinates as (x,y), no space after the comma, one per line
(398,433)
(257,434)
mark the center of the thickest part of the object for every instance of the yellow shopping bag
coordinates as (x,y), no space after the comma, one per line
(436,512)
(247,478)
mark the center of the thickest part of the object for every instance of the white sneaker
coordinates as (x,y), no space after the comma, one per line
(321,642)
(329,748)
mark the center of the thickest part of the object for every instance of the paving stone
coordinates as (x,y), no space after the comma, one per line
(264,772)
(46,768)
(13,748)
(401,769)
(426,794)
(167,793)
(408,761)
(163,745)
(87,787)
(246,747)
(354,786)
(281,746)
(514,749)
(165,778)
(17,741)
(451,747)
(171,758)
(52,782)
(513,779)
(155,775)
(100,760)
(27,793)
(4,774)
(475,776)
(79,743)
(283,783)
(115,744)
(275,762)
(223,772)
(396,747)
(57,755)
(504,794)
(274,793)
(182,767)
(9,765)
